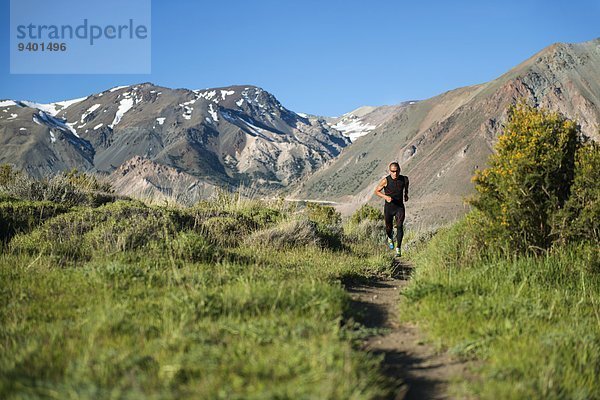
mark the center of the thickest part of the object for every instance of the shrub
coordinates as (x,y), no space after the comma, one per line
(293,233)
(262,215)
(116,227)
(191,246)
(528,179)
(70,189)
(23,216)
(365,230)
(228,230)
(366,224)
(7,174)
(328,222)
(324,215)
(580,218)
(87,182)
(366,212)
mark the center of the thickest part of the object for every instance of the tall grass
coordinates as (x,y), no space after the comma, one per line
(126,300)
(533,321)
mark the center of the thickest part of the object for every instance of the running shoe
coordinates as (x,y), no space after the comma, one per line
(390,243)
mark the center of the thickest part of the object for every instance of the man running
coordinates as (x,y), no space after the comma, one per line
(393,186)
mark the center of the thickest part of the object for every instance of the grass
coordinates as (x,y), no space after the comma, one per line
(129,301)
(533,321)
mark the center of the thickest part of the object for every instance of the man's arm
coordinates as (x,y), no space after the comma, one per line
(379,188)
(405,188)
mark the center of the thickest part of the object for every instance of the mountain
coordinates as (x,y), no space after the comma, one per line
(441,141)
(37,142)
(363,120)
(145,179)
(223,136)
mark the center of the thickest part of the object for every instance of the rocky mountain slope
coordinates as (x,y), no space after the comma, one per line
(363,120)
(440,141)
(222,136)
(145,179)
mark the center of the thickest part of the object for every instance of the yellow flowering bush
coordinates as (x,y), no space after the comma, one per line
(580,218)
(528,180)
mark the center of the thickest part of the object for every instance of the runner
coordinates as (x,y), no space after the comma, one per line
(393,186)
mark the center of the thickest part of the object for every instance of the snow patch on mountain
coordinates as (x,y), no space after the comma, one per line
(213,113)
(60,105)
(44,118)
(48,108)
(89,111)
(353,127)
(124,106)
(208,95)
(187,106)
(256,92)
(52,108)
(70,127)
(225,93)
(117,88)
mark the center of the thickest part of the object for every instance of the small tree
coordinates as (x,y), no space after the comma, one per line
(528,179)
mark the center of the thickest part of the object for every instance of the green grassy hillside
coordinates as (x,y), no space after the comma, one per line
(228,299)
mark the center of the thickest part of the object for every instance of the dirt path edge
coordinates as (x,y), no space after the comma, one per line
(419,372)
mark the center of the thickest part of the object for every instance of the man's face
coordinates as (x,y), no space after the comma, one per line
(394,171)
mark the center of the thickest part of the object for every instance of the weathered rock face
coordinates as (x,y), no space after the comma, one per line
(39,143)
(440,141)
(145,179)
(223,136)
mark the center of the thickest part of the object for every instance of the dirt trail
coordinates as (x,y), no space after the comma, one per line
(419,372)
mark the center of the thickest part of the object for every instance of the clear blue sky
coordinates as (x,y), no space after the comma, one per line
(329,57)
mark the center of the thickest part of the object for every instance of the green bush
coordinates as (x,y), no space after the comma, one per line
(323,215)
(23,216)
(228,230)
(366,224)
(289,234)
(528,179)
(262,215)
(87,182)
(7,175)
(117,227)
(70,189)
(366,212)
(366,230)
(192,246)
(329,224)
(580,218)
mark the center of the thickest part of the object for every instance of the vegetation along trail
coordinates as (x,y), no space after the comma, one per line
(417,370)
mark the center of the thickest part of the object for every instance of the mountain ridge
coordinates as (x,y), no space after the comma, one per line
(226,136)
(241,134)
(442,140)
